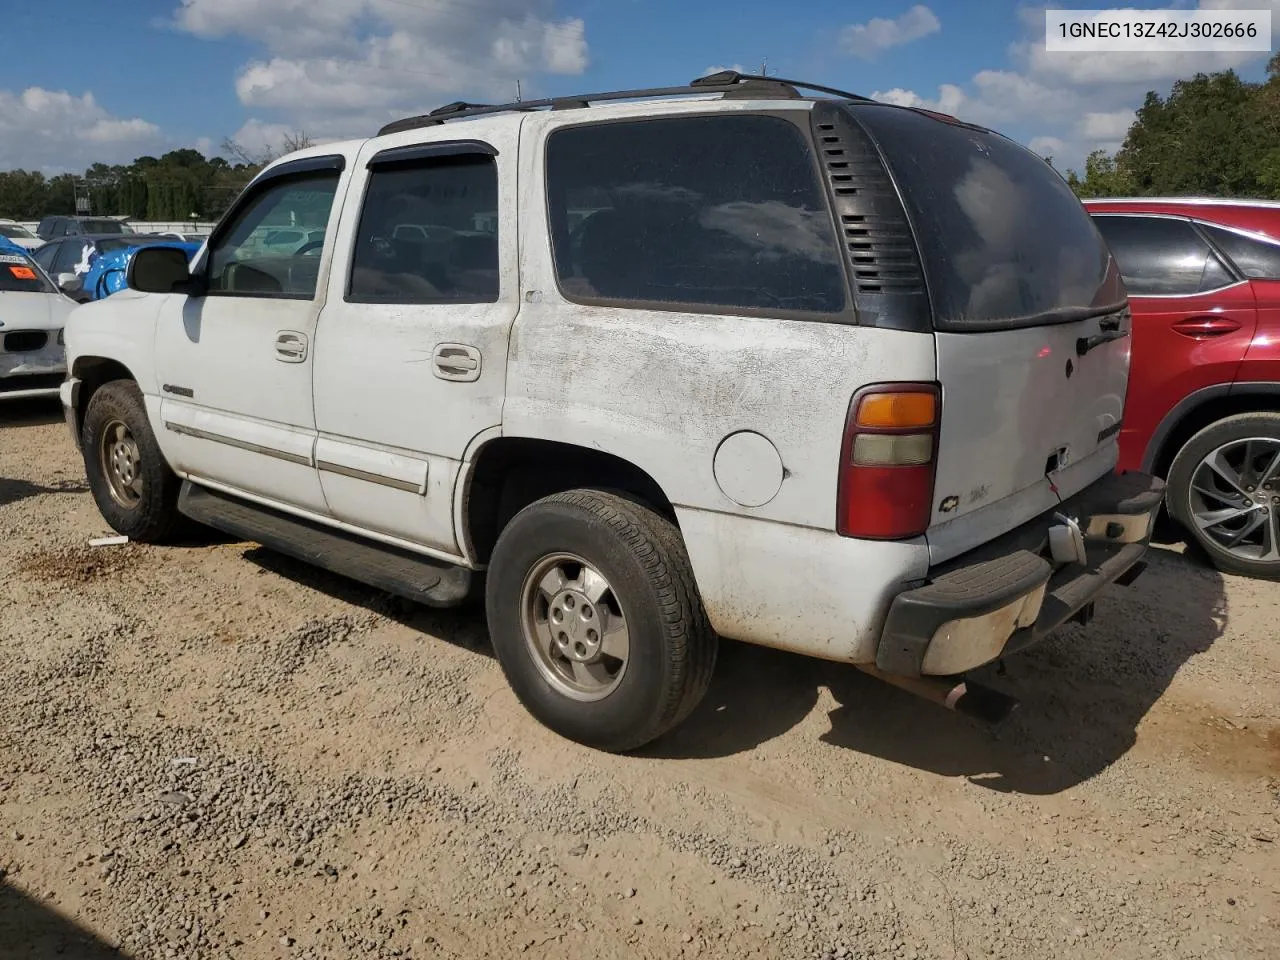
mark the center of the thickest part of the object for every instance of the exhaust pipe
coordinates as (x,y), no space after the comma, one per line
(954,693)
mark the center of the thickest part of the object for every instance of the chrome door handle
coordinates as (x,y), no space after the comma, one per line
(291,346)
(456,362)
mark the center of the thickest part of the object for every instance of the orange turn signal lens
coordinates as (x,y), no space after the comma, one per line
(897,411)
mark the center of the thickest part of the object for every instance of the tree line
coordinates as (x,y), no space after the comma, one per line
(1213,135)
(180,185)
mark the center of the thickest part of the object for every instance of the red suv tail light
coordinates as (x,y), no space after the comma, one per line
(887,461)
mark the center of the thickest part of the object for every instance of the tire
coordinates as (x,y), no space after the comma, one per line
(147,510)
(1190,473)
(670,650)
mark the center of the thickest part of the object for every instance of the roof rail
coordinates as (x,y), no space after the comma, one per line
(730,83)
(1193,200)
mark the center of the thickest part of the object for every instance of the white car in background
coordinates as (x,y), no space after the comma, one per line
(17,234)
(33,313)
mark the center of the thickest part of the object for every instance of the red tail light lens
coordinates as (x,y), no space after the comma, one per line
(887,461)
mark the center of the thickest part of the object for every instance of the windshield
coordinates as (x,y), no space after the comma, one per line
(19,274)
(15,232)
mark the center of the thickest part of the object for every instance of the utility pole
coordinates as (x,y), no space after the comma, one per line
(519,91)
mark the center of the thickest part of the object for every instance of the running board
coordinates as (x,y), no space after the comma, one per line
(434,583)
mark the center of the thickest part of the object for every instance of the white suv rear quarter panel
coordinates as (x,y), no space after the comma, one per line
(663,390)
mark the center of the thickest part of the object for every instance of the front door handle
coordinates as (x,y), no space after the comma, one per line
(1203,328)
(291,346)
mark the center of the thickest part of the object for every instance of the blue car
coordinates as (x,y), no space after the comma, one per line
(91,268)
(107,271)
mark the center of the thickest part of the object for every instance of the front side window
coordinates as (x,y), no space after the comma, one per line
(429,233)
(723,212)
(1160,256)
(1256,259)
(243,260)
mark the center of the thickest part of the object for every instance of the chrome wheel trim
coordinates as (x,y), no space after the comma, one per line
(574,627)
(121,463)
(1234,498)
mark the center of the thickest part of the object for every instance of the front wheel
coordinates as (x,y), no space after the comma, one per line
(136,492)
(596,620)
(1224,488)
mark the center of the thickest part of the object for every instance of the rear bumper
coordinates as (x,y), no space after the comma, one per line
(1008,594)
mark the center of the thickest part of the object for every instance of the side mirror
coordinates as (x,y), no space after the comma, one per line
(70,284)
(159,270)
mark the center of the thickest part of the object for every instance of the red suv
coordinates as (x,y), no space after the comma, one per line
(1203,407)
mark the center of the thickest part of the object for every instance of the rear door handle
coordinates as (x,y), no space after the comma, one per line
(1203,328)
(456,362)
(1085,344)
(291,346)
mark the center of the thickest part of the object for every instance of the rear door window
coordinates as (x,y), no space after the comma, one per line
(429,233)
(711,214)
(1162,256)
(1256,259)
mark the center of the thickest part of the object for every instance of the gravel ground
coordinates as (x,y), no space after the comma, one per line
(211,751)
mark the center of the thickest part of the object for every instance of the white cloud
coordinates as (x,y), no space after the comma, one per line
(1073,102)
(736,68)
(1047,146)
(56,132)
(865,40)
(1112,125)
(337,68)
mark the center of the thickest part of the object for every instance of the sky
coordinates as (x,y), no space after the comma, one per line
(80,82)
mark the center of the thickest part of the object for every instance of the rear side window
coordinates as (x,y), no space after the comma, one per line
(429,233)
(1160,256)
(1256,259)
(716,214)
(45,255)
(1004,241)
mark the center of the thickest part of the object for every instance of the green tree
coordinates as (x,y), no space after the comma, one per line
(1104,176)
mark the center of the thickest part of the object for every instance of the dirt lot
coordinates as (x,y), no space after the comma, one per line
(211,751)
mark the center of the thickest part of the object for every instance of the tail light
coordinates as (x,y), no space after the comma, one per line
(887,461)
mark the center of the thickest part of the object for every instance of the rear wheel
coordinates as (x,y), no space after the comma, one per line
(596,620)
(1224,488)
(136,492)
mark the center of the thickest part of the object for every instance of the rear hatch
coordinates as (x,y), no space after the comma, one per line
(1030,322)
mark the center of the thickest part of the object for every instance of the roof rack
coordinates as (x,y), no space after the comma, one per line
(1191,200)
(730,83)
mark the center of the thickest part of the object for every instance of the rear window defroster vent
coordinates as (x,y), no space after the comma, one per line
(874,230)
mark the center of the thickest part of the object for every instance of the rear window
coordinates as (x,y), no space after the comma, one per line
(1256,259)
(18,274)
(1003,240)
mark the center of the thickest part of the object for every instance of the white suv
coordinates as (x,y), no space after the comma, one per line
(819,373)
